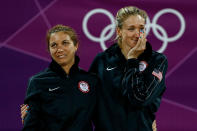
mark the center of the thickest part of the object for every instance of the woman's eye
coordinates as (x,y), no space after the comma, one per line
(53,45)
(131,29)
(65,43)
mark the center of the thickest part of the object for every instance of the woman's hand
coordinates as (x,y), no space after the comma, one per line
(139,47)
(24,110)
(154,126)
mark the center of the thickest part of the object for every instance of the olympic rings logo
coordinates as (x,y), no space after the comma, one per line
(111,27)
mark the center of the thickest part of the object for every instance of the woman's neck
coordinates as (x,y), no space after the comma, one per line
(67,67)
(124,50)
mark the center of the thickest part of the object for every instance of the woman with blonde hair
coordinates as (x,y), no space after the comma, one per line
(132,77)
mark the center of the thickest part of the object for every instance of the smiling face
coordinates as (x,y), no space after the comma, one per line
(62,49)
(130,31)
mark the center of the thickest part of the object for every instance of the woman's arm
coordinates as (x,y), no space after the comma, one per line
(143,87)
(31,119)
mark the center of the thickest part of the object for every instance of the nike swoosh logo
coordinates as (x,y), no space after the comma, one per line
(109,69)
(54,88)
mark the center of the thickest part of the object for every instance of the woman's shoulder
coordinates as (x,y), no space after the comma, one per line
(43,77)
(108,53)
(159,59)
(158,56)
(100,56)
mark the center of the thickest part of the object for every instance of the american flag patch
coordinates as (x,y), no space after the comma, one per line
(157,74)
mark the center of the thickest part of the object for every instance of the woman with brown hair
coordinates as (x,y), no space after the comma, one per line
(62,97)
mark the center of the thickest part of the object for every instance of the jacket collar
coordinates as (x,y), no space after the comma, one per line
(115,50)
(55,67)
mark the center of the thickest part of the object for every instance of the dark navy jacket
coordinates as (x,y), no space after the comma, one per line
(130,91)
(61,102)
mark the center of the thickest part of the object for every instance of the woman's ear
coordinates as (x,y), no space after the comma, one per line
(76,47)
(118,31)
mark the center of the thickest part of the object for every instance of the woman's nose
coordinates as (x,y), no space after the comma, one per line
(59,49)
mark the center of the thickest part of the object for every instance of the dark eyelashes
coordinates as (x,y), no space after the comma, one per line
(53,44)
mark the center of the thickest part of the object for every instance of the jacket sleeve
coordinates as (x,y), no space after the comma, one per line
(144,87)
(96,113)
(32,121)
